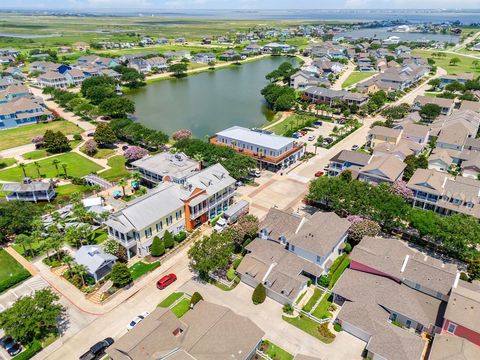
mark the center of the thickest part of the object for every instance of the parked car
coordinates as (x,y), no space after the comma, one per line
(311,138)
(165,281)
(255,173)
(296,135)
(239,183)
(328,140)
(318,123)
(90,134)
(355,147)
(124,147)
(319,173)
(135,321)
(9,344)
(220,225)
(98,349)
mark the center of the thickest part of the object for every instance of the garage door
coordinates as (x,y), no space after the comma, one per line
(355,331)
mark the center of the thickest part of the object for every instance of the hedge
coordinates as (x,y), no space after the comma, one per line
(30,351)
(13,280)
(259,294)
(182,235)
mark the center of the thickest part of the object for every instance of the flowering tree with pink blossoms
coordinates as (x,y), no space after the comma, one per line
(400,188)
(134,153)
(90,147)
(182,134)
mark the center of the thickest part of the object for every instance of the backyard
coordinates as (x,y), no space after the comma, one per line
(23,135)
(11,272)
(310,327)
(357,76)
(77,166)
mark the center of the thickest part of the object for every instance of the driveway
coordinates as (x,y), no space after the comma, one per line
(268,316)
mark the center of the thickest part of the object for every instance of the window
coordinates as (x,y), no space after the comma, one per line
(408,323)
(318,258)
(417,286)
(393,317)
(452,328)
(292,247)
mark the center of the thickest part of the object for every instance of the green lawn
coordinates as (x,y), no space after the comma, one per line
(292,122)
(356,76)
(6,162)
(275,352)
(181,308)
(337,269)
(11,272)
(118,170)
(308,326)
(35,154)
(101,153)
(141,268)
(321,311)
(99,236)
(23,135)
(313,300)
(170,299)
(77,166)
(465,65)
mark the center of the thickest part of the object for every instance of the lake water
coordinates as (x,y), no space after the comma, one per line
(383,33)
(26,36)
(208,102)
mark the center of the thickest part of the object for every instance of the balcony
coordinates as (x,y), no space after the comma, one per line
(258,156)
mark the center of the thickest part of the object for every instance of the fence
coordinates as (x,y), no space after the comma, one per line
(311,317)
(222,281)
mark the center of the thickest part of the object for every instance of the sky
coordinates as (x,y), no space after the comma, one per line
(239,4)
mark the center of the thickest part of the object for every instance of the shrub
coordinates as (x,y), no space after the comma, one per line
(33,348)
(288,309)
(325,331)
(111,246)
(181,134)
(158,247)
(134,153)
(259,294)
(196,298)
(236,263)
(10,281)
(90,147)
(77,137)
(337,327)
(323,281)
(120,275)
(463,276)
(348,248)
(182,235)
(168,240)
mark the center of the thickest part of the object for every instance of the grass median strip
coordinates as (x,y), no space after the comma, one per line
(181,308)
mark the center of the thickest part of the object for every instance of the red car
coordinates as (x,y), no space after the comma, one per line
(319,173)
(165,281)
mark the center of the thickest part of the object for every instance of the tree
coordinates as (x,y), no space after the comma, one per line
(168,240)
(104,135)
(55,142)
(284,102)
(64,167)
(210,253)
(123,183)
(158,247)
(93,81)
(81,271)
(259,294)
(246,227)
(400,188)
(98,94)
(430,111)
(455,86)
(90,147)
(37,167)
(16,217)
(23,166)
(346,175)
(362,228)
(455,61)
(473,269)
(414,163)
(434,83)
(25,242)
(110,246)
(195,299)
(181,134)
(117,107)
(32,317)
(178,69)
(120,275)
(56,162)
(134,153)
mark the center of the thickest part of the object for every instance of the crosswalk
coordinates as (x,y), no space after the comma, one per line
(28,287)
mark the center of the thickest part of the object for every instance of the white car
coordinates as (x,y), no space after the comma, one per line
(355,147)
(135,321)
(255,173)
(311,138)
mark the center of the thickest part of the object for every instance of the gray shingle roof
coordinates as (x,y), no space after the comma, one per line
(93,257)
(464,306)
(451,347)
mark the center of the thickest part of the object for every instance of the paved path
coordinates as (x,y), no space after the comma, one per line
(343,76)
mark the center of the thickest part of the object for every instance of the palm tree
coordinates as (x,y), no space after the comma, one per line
(67,259)
(123,183)
(64,167)
(25,241)
(37,167)
(200,158)
(23,166)
(55,163)
(137,177)
(80,270)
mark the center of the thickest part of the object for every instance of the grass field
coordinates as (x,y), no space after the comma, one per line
(290,122)
(181,308)
(118,169)
(23,135)
(465,65)
(11,272)
(5,162)
(357,76)
(77,166)
(321,311)
(313,300)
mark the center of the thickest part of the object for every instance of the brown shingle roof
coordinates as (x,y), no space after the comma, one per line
(464,306)
(451,347)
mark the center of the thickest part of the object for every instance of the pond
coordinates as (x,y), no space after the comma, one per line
(208,102)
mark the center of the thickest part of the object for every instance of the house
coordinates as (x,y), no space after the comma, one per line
(450,347)
(65,50)
(382,134)
(177,54)
(440,192)
(280,47)
(14,72)
(97,262)
(162,41)
(416,133)
(13,92)
(328,96)
(301,80)
(22,111)
(470,105)
(33,191)
(165,167)
(230,55)
(382,169)
(204,58)
(271,151)
(75,77)
(139,64)
(157,63)
(53,79)
(440,160)
(279,225)
(453,136)
(95,60)
(462,316)
(347,160)
(471,167)
(147,216)
(460,78)
(284,274)
(206,332)
(401,150)
(6,59)
(446,105)
(252,49)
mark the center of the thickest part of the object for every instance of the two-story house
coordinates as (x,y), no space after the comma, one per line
(272,152)
(446,105)
(22,111)
(382,134)
(347,160)
(387,168)
(53,79)
(150,215)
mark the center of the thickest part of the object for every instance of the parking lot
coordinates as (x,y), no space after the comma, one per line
(324,130)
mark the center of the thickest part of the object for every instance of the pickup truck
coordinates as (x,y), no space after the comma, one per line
(98,349)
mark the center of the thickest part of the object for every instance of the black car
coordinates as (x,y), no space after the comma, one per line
(124,147)
(12,347)
(91,134)
(97,349)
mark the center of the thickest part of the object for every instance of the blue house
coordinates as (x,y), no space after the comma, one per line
(22,111)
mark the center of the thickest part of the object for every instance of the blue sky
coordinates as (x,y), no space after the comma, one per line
(238,4)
